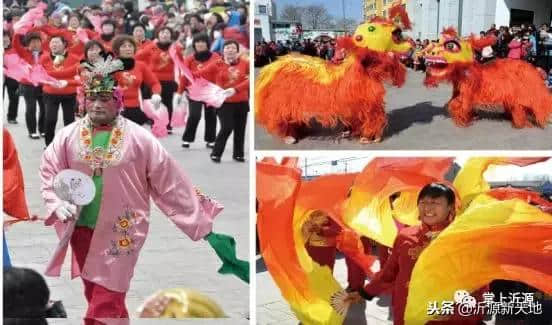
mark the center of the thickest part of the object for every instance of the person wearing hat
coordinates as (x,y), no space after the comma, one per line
(129,167)
(62,65)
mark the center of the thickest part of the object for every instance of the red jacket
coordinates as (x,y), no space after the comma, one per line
(230,76)
(67,71)
(131,80)
(145,44)
(397,270)
(195,67)
(25,54)
(74,44)
(106,44)
(158,60)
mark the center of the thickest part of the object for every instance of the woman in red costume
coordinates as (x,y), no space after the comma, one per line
(156,56)
(134,75)
(436,205)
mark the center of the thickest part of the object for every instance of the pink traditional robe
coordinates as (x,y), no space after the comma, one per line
(136,168)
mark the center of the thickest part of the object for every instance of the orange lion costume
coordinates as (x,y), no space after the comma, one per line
(515,85)
(297,89)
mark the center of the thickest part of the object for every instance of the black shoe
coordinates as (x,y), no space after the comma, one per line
(215,159)
(34,136)
(185,144)
(12,121)
(210,145)
(42,134)
(239,159)
(169,129)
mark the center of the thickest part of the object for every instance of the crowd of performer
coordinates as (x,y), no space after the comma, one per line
(212,39)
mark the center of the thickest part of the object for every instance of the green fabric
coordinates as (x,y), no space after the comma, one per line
(225,247)
(89,213)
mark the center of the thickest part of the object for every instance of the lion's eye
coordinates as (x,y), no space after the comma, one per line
(371,28)
(452,46)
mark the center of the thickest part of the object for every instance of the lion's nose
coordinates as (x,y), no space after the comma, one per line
(358,38)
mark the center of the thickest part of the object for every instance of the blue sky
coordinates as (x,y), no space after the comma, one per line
(353,8)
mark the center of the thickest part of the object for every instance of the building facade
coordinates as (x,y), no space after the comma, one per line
(373,8)
(470,16)
(467,16)
(264,14)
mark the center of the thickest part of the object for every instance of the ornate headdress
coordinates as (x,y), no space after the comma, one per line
(98,79)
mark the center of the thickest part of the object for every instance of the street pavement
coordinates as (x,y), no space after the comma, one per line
(418,120)
(272,309)
(169,258)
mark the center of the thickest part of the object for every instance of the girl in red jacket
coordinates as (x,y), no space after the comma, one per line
(157,57)
(201,58)
(62,66)
(132,77)
(232,74)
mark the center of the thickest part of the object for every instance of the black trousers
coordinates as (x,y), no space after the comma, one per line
(69,107)
(194,115)
(168,89)
(33,96)
(135,114)
(12,85)
(146,91)
(233,118)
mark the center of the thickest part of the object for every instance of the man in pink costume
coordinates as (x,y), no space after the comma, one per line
(128,166)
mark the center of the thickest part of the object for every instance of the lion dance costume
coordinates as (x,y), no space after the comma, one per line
(297,89)
(513,84)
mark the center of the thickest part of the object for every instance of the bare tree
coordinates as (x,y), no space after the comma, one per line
(292,13)
(316,17)
(346,24)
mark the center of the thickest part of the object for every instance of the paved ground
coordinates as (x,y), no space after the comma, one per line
(272,309)
(169,258)
(419,121)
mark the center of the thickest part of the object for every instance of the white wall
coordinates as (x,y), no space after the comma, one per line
(541,8)
(478,16)
(449,14)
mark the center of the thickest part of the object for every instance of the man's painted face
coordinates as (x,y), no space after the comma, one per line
(101,107)
(435,211)
(107,29)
